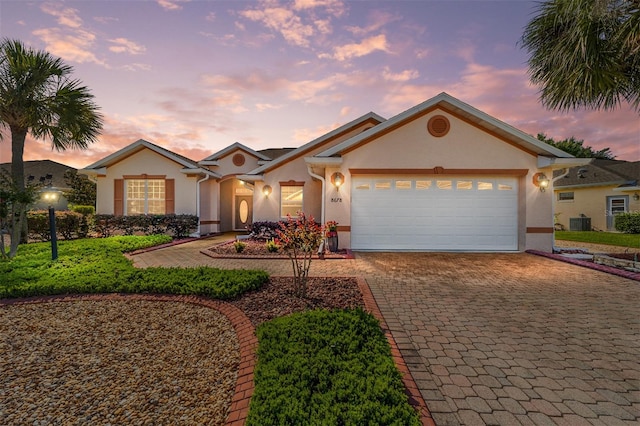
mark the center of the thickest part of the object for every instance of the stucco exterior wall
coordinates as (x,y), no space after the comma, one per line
(150,163)
(465,148)
(226,166)
(590,201)
(268,208)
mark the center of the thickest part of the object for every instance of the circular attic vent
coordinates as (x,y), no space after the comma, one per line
(238,160)
(438,126)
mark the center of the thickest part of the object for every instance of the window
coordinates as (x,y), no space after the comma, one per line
(403,184)
(565,196)
(145,196)
(464,184)
(444,184)
(504,187)
(423,184)
(485,186)
(383,184)
(290,200)
(363,186)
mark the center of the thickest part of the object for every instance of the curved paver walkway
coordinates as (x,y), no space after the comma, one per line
(494,338)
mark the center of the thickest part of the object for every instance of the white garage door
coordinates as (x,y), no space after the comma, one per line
(434,213)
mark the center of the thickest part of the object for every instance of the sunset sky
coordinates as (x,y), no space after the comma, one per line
(197,76)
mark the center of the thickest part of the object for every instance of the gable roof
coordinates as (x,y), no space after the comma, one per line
(602,173)
(189,166)
(459,109)
(41,168)
(235,146)
(298,152)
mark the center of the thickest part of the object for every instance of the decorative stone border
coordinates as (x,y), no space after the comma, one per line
(602,268)
(629,265)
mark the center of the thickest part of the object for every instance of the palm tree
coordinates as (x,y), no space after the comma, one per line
(585,53)
(37,96)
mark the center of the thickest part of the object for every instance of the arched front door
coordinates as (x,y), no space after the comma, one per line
(244,212)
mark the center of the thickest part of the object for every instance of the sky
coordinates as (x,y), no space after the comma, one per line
(196,76)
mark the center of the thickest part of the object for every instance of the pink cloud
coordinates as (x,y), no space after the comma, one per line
(356,50)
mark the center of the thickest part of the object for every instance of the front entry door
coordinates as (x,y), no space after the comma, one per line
(615,206)
(244,211)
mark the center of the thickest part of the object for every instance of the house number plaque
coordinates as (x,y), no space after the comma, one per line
(336,200)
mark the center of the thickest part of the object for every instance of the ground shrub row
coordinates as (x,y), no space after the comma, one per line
(81,223)
(98,266)
(327,367)
(629,223)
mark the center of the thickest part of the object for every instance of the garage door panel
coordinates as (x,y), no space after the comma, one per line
(422,213)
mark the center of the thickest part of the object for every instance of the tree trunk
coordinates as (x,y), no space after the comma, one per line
(18,209)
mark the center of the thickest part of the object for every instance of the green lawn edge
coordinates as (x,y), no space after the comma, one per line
(606,238)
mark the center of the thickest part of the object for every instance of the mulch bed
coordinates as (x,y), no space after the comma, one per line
(276,298)
(256,249)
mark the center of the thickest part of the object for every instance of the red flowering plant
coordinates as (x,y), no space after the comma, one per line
(300,239)
(331,228)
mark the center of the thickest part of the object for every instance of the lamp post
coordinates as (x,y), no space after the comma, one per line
(52,232)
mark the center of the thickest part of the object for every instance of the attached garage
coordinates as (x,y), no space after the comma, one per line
(473,213)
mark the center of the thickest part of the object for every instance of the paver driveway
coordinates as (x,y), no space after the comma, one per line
(498,338)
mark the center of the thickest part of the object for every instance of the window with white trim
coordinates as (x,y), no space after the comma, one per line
(565,196)
(290,200)
(145,196)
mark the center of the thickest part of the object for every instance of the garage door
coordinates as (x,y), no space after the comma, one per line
(427,213)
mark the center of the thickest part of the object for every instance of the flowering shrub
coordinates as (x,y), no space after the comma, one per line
(331,228)
(300,239)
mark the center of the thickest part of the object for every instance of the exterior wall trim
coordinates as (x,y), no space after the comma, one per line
(440,171)
(539,230)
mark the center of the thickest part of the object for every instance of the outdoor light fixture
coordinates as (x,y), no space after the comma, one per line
(337,179)
(51,196)
(266,190)
(541,181)
(636,197)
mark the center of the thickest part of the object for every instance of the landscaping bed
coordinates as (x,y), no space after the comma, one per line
(276,298)
(257,249)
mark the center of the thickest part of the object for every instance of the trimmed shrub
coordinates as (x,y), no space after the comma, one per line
(68,224)
(629,223)
(180,226)
(264,231)
(327,367)
(84,210)
(38,225)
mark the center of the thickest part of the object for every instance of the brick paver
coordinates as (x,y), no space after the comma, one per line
(494,338)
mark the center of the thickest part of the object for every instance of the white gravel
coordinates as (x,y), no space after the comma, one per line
(116,362)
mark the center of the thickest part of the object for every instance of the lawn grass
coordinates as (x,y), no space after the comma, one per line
(608,238)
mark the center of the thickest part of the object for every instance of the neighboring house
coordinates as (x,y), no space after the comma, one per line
(590,196)
(51,176)
(439,176)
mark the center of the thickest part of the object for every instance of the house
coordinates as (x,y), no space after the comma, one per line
(589,196)
(439,176)
(50,175)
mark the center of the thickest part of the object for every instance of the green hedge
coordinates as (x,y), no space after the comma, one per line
(180,226)
(327,367)
(68,225)
(629,223)
(98,266)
